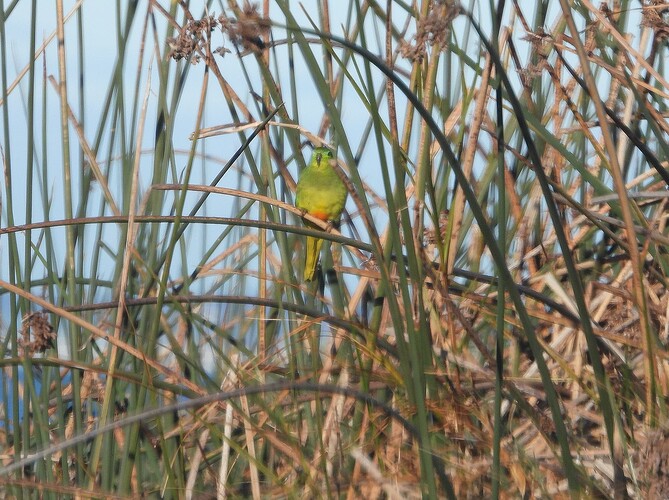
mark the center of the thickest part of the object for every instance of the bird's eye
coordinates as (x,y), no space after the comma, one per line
(329,154)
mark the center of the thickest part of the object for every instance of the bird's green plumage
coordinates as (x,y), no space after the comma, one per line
(322,194)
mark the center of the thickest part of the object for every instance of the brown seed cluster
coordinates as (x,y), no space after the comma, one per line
(430,234)
(433,30)
(653,459)
(246,32)
(655,17)
(192,39)
(42,332)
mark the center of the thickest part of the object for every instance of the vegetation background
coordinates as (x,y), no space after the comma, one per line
(490,321)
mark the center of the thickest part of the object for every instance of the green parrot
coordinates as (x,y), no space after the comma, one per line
(322,194)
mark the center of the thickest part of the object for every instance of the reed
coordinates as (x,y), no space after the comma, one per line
(489,319)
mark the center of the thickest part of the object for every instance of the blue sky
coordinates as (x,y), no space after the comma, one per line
(99,25)
(100,53)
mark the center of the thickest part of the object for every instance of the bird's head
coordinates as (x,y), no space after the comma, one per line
(322,154)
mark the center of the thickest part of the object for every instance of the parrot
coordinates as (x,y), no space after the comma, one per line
(320,193)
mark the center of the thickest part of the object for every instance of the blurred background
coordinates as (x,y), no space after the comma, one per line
(489,318)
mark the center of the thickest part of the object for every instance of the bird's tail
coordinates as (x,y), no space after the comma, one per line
(313,251)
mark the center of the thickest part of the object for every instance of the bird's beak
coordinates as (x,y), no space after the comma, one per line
(319,157)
